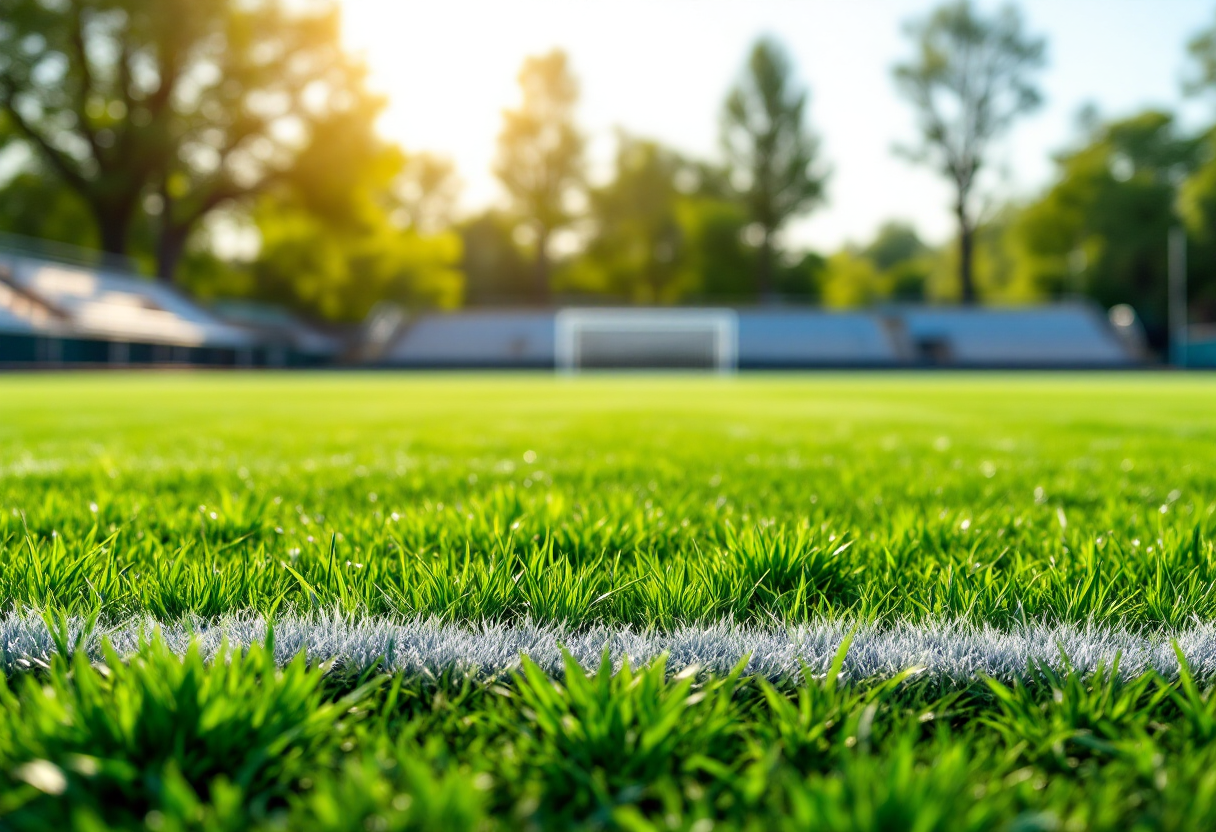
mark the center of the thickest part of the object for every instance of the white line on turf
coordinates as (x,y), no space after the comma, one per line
(950,650)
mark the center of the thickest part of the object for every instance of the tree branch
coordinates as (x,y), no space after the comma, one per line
(76,38)
(57,158)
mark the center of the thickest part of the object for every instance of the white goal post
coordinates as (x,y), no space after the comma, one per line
(608,339)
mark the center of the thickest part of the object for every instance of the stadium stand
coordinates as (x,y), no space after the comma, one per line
(61,313)
(64,306)
(1065,335)
(522,339)
(786,339)
(284,339)
(1070,335)
(67,307)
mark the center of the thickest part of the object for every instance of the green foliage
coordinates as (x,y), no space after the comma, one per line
(496,269)
(970,78)
(895,243)
(852,280)
(665,233)
(540,153)
(338,238)
(636,252)
(165,112)
(712,229)
(35,205)
(772,155)
(1101,229)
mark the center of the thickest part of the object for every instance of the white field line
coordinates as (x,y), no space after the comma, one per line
(947,650)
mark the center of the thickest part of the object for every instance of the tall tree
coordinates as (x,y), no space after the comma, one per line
(339,236)
(1101,229)
(970,78)
(772,153)
(540,153)
(637,239)
(170,107)
(429,188)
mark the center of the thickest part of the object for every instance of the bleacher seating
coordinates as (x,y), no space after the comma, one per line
(1065,335)
(63,313)
(1070,335)
(795,338)
(475,339)
(110,306)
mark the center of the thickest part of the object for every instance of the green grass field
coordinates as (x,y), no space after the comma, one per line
(871,515)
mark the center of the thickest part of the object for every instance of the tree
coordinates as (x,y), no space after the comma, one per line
(970,79)
(904,260)
(635,247)
(429,189)
(540,153)
(338,237)
(1197,196)
(38,206)
(851,279)
(772,154)
(711,230)
(1101,229)
(170,108)
(496,271)
(895,243)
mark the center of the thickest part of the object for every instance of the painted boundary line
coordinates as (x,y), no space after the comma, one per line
(947,650)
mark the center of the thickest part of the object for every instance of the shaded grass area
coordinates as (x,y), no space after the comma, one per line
(645,501)
(650,503)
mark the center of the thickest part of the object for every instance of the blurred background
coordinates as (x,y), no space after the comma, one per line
(717,183)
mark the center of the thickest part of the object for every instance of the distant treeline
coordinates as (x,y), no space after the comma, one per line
(171,130)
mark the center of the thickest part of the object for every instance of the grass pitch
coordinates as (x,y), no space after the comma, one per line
(867,602)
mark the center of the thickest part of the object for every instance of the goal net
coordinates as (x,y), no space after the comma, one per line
(603,339)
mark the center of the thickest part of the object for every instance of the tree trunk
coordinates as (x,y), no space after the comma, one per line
(113,225)
(542,265)
(966,257)
(169,250)
(764,270)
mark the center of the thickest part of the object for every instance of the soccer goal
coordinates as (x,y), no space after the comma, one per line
(607,339)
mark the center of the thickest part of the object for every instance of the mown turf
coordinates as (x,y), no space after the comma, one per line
(646,502)
(651,503)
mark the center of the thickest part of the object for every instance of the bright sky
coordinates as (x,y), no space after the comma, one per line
(660,68)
